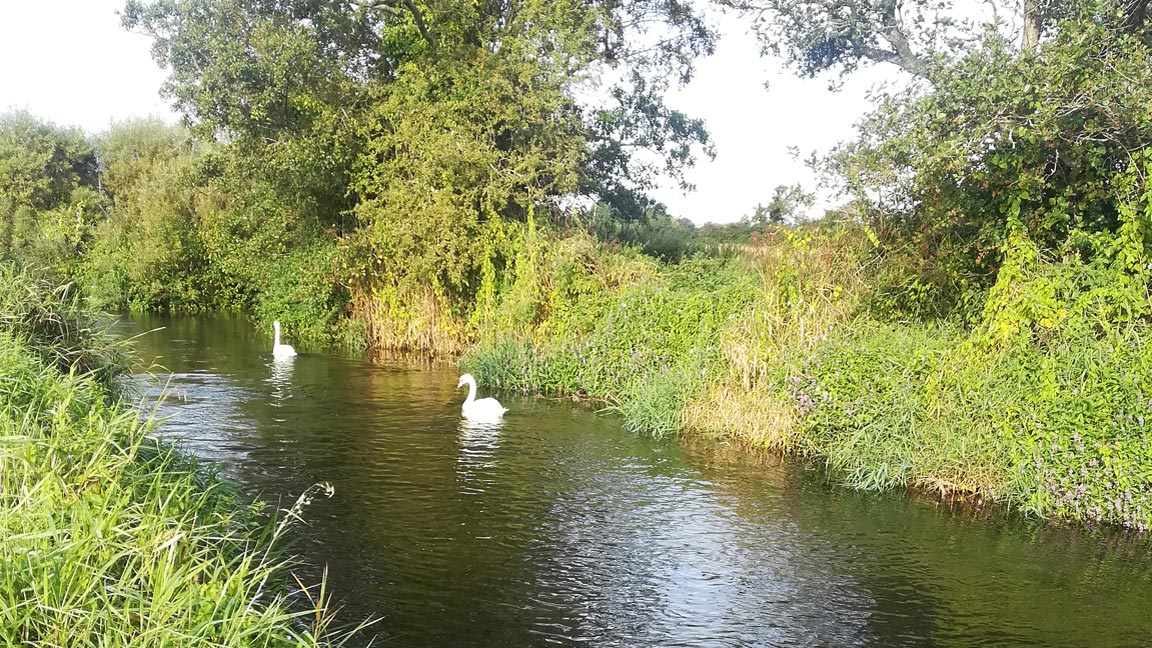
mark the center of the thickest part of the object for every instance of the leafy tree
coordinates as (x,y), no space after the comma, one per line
(307,72)
(48,191)
(41,163)
(1029,121)
(1042,140)
(815,36)
(787,206)
(148,254)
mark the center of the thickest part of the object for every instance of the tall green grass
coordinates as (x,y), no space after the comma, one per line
(54,323)
(890,405)
(107,536)
(1060,430)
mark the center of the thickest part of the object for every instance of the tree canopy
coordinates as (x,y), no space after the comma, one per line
(315,72)
(817,36)
(1026,122)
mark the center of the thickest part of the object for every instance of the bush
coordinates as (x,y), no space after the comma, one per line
(300,291)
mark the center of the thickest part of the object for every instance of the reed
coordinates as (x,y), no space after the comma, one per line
(54,322)
(811,281)
(409,319)
(758,416)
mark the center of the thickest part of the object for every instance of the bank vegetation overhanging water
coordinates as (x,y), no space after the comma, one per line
(108,536)
(973,319)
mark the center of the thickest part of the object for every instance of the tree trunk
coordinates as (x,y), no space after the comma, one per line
(1031,25)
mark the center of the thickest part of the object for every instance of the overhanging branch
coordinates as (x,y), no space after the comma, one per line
(893,32)
(391,7)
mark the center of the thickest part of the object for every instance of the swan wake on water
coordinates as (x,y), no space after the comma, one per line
(483,409)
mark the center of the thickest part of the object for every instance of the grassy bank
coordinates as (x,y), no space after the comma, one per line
(782,347)
(108,537)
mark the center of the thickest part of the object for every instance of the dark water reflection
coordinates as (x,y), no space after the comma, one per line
(558,528)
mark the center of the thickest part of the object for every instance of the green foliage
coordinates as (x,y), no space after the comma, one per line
(52,321)
(814,36)
(1047,140)
(645,348)
(259,69)
(888,407)
(1084,416)
(1101,288)
(1042,405)
(49,200)
(41,164)
(307,76)
(1059,431)
(299,291)
(786,206)
(152,252)
(450,150)
(415,139)
(659,235)
(655,233)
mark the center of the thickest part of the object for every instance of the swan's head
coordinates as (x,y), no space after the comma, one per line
(464,380)
(276,325)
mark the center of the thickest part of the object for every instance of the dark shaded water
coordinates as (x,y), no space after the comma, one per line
(561,529)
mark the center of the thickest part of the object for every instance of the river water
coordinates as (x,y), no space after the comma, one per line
(561,529)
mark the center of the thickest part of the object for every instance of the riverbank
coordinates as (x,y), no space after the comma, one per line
(111,538)
(1040,405)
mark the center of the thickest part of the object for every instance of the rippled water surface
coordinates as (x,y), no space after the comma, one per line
(560,529)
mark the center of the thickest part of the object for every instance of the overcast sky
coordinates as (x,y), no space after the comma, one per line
(70,62)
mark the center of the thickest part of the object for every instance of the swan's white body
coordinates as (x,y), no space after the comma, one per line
(281,350)
(485,408)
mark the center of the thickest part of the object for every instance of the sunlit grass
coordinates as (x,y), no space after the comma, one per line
(757,415)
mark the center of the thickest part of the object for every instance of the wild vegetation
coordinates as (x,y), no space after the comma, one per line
(443,177)
(110,538)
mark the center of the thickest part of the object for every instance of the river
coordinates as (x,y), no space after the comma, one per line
(561,529)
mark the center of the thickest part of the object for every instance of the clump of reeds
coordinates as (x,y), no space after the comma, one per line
(53,321)
(756,415)
(409,319)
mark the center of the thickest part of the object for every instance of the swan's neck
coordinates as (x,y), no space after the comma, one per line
(276,342)
(471,392)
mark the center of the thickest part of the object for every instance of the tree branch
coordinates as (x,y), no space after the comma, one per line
(389,6)
(1031,36)
(1135,13)
(892,31)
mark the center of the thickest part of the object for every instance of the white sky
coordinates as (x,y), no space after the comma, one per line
(70,62)
(753,127)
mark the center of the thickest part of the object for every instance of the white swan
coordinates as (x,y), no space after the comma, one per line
(485,408)
(281,350)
